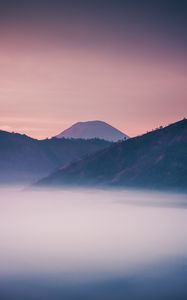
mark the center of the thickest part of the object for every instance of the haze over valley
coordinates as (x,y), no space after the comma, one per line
(93,150)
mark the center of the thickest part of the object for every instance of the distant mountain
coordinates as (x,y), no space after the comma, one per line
(154,160)
(25,159)
(93,129)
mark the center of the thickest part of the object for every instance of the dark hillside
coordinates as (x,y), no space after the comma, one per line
(154,160)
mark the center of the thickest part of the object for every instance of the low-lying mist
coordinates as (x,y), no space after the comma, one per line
(84,236)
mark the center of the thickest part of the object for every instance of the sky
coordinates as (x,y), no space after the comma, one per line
(120,61)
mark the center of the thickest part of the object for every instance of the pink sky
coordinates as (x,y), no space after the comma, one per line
(47,84)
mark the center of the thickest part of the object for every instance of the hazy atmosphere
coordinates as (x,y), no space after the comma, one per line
(93,149)
(81,244)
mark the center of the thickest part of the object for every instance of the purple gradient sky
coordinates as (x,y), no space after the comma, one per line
(60,69)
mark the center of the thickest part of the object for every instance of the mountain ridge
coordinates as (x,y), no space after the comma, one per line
(157,159)
(23,158)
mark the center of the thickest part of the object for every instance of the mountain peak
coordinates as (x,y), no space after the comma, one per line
(155,160)
(93,129)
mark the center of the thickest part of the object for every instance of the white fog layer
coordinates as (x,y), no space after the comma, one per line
(89,233)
